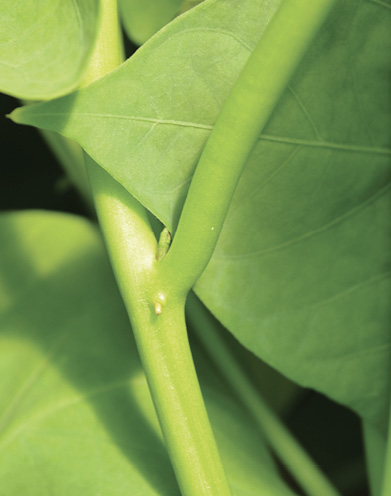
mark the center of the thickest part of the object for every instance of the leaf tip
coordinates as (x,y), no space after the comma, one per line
(14,115)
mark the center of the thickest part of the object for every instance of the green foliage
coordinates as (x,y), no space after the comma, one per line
(148,102)
(75,414)
(301,273)
(143,18)
(45,45)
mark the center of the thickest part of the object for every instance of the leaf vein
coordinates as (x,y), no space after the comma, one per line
(354,288)
(283,246)
(271,177)
(207,127)
(61,406)
(21,394)
(305,112)
(382,4)
(328,144)
(354,354)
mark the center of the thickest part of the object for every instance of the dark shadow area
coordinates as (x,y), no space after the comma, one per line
(332,435)
(30,176)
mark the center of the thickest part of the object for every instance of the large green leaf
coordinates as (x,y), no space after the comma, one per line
(152,115)
(301,273)
(44,46)
(75,412)
(143,18)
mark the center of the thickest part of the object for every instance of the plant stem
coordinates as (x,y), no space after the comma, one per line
(108,52)
(161,339)
(386,490)
(294,457)
(238,127)
(69,153)
(154,291)
(375,451)
(157,319)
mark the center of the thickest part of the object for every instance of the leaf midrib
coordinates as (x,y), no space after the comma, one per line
(350,147)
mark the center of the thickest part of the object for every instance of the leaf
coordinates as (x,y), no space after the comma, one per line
(143,18)
(45,45)
(301,273)
(76,416)
(162,107)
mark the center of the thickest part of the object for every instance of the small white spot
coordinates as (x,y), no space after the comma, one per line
(161,298)
(159,303)
(213,229)
(158,307)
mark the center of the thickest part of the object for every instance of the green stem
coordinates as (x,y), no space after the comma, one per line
(108,41)
(375,450)
(69,153)
(238,127)
(154,291)
(294,457)
(108,52)
(386,490)
(161,339)
(157,320)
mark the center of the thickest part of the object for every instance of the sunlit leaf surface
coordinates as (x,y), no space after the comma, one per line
(44,45)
